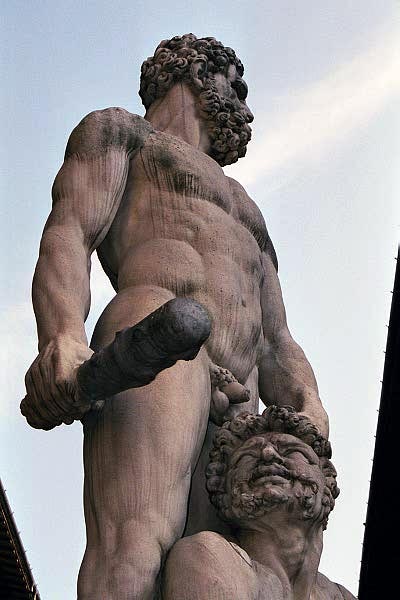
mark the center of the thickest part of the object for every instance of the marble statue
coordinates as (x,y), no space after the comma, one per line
(150,196)
(269,476)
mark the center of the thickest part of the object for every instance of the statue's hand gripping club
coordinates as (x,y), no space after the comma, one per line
(175,331)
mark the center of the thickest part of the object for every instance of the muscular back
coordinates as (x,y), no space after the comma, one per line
(184,226)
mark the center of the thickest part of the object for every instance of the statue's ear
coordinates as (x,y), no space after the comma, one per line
(198,71)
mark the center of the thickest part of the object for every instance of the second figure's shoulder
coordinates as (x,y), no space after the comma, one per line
(325,588)
(109,128)
(206,565)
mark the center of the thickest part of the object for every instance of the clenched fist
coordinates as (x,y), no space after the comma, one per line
(51,393)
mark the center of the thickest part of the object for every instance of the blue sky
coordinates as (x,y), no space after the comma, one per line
(323,167)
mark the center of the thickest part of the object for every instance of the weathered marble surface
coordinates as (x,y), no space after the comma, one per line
(150,196)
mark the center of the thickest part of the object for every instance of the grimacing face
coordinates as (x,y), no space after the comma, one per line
(273,470)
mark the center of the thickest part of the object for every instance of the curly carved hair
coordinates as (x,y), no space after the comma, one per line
(236,432)
(196,62)
(184,58)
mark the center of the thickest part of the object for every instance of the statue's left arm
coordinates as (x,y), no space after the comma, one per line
(285,375)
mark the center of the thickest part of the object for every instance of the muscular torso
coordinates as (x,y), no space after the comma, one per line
(184,226)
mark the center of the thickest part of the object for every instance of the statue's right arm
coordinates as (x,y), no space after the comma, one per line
(86,194)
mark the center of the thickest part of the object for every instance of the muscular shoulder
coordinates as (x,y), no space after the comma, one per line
(239,191)
(206,563)
(329,590)
(250,215)
(110,128)
(203,546)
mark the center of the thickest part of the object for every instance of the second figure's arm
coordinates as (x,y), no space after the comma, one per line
(285,375)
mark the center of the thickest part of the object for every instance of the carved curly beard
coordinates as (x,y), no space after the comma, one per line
(228,130)
(252,499)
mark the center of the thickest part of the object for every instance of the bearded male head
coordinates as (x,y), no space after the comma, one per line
(272,462)
(214,73)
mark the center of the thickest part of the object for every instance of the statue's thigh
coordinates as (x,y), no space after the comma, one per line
(141,448)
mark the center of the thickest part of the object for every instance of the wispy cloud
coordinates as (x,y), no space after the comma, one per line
(309,121)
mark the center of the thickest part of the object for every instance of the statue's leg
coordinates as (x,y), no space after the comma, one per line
(139,453)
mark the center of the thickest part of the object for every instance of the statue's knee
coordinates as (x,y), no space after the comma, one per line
(129,573)
(135,569)
(136,579)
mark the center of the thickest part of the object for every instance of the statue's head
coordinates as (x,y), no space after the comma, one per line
(271,464)
(214,73)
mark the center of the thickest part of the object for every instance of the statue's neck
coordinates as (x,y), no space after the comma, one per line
(177,113)
(291,551)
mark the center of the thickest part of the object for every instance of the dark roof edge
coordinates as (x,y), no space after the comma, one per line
(17,544)
(379,563)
